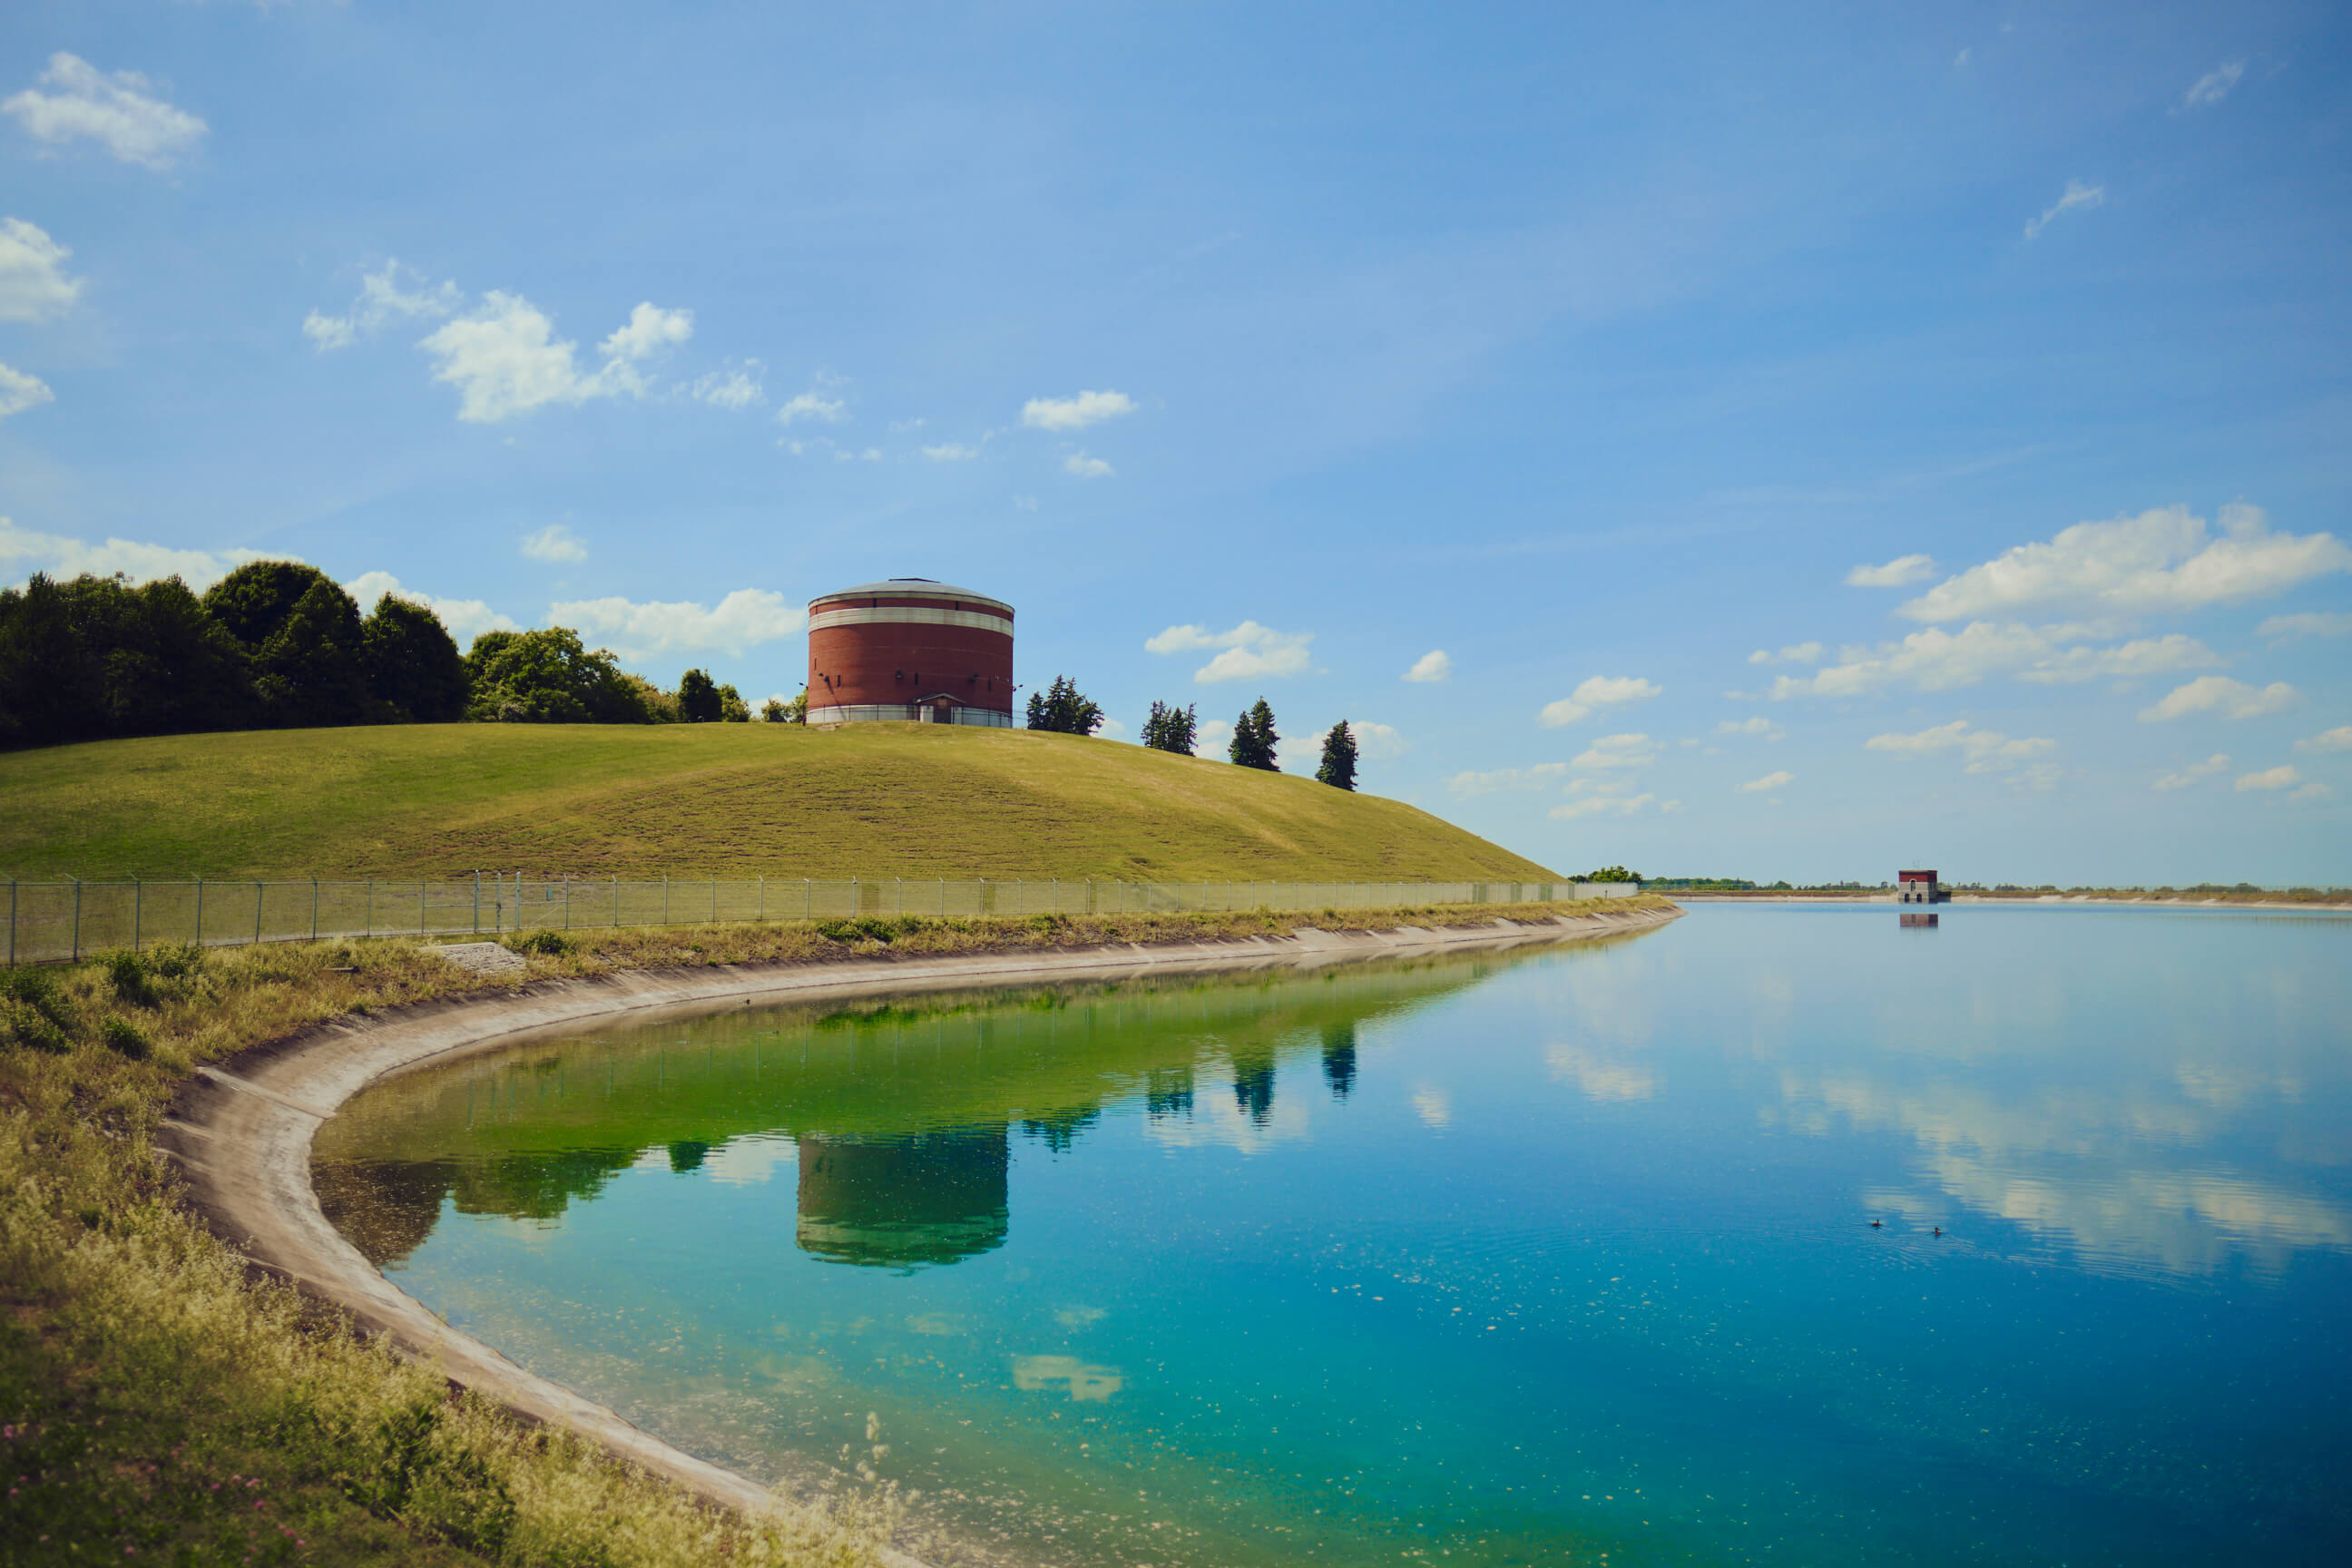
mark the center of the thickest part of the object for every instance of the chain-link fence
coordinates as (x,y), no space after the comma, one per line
(51,920)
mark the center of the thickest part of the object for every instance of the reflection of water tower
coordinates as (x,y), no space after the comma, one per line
(902,1202)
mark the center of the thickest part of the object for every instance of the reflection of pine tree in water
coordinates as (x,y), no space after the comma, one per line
(1254,1085)
(1167,1092)
(687,1155)
(1339,1058)
(1060,1131)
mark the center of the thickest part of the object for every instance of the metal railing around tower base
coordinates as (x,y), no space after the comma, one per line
(49,921)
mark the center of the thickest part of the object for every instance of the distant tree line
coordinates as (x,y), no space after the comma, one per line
(278,645)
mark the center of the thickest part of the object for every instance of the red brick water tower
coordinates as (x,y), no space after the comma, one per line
(912,650)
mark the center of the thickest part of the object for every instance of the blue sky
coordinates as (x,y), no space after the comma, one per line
(1815,438)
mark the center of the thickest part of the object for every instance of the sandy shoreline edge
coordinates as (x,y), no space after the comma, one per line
(241,1128)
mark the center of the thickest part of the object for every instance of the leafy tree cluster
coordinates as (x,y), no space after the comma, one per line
(1611,874)
(1064,709)
(1172,728)
(279,645)
(1254,739)
(1338,766)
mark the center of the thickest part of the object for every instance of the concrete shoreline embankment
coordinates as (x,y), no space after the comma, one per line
(241,1128)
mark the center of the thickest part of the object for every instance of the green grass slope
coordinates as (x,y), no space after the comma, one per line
(903,800)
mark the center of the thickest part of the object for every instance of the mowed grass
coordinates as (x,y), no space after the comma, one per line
(869,800)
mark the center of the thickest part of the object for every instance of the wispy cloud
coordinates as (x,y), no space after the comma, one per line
(1604,805)
(950,452)
(743,619)
(20,390)
(822,402)
(33,286)
(1986,750)
(1248,652)
(2077,195)
(2164,559)
(1539,776)
(2336,740)
(2220,694)
(2218,763)
(1088,468)
(2281,777)
(1598,692)
(1430,669)
(1771,781)
(1899,573)
(383,296)
(1631,751)
(554,543)
(118,111)
(732,387)
(2214,86)
(466,618)
(2312,624)
(1075,413)
(1795,653)
(24,550)
(1759,725)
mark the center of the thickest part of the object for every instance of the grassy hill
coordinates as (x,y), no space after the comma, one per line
(903,800)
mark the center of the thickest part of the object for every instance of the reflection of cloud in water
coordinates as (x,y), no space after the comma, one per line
(750,1161)
(1032,1374)
(2078,1169)
(1431,1104)
(1079,1316)
(1597,1075)
(1217,1119)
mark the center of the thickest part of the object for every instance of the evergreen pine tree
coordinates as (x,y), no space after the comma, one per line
(1339,769)
(1172,728)
(1254,739)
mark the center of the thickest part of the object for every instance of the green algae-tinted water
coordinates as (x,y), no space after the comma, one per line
(1555,1256)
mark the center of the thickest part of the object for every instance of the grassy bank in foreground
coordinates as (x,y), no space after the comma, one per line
(157,1402)
(918,801)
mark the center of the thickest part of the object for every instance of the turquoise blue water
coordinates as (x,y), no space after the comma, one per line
(1555,1256)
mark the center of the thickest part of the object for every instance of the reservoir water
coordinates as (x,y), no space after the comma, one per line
(1564,1255)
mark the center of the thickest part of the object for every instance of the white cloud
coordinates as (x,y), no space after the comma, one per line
(1075,413)
(1088,468)
(2336,740)
(1377,743)
(33,282)
(116,112)
(1430,669)
(2215,85)
(2193,771)
(1536,777)
(1598,804)
(1986,751)
(22,548)
(554,543)
(1899,573)
(2281,777)
(381,298)
(2220,694)
(820,402)
(466,618)
(1249,651)
(2161,560)
(1768,782)
(2076,194)
(743,618)
(1795,653)
(732,387)
(2141,657)
(1112,729)
(19,391)
(1760,725)
(950,452)
(1617,752)
(1596,691)
(2311,625)
(1212,739)
(505,360)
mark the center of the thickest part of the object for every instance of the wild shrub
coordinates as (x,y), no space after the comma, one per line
(32,1012)
(125,1037)
(128,974)
(551,944)
(884,929)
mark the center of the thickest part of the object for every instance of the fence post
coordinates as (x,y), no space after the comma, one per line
(256,914)
(617,900)
(567,902)
(902,896)
(138,909)
(12,923)
(714,900)
(77,936)
(943,898)
(420,906)
(314,909)
(664,897)
(808,897)
(477,900)
(12,916)
(763,899)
